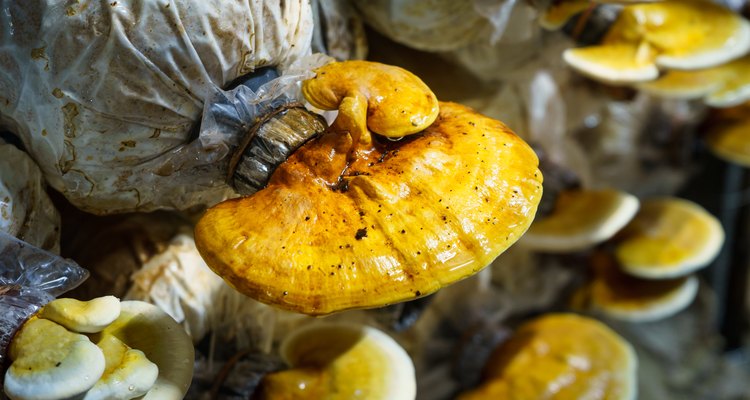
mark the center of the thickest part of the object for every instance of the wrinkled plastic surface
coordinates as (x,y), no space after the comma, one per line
(444,25)
(29,278)
(339,31)
(104,94)
(227,117)
(26,211)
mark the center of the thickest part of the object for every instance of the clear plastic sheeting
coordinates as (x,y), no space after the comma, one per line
(104,94)
(29,278)
(227,117)
(26,211)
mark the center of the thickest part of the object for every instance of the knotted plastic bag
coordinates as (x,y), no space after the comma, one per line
(101,92)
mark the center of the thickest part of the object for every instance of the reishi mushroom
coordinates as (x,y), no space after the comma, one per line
(341,361)
(685,34)
(127,373)
(51,363)
(669,237)
(624,297)
(647,273)
(145,327)
(731,141)
(560,356)
(83,316)
(356,220)
(581,219)
(143,353)
(724,86)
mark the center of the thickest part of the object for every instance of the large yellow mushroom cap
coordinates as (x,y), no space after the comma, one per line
(562,357)
(358,221)
(669,237)
(685,34)
(402,221)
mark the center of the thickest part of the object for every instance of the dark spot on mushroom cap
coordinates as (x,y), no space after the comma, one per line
(361,233)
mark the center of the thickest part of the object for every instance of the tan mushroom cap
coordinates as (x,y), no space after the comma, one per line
(731,141)
(684,34)
(581,219)
(727,85)
(345,224)
(560,356)
(147,328)
(341,361)
(669,237)
(627,298)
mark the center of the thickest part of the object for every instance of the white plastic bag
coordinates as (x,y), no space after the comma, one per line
(98,90)
(26,211)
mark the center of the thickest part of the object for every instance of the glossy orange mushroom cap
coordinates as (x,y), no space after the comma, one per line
(348,222)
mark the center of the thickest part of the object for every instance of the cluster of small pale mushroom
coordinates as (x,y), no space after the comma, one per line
(99,349)
(406,190)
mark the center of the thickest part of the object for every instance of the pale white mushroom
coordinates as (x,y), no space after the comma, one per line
(341,361)
(147,328)
(127,373)
(83,316)
(51,363)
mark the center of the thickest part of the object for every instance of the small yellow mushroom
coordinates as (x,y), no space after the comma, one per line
(621,296)
(684,34)
(581,219)
(127,373)
(727,85)
(147,328)
(669,237)
(341,362)
(562,357)
(398,221)
(51,363)
(387,100)
(731,141)
(83,316)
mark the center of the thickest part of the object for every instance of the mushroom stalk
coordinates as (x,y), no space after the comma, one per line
(269,143)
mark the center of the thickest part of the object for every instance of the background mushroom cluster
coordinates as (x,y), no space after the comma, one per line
(316,199)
